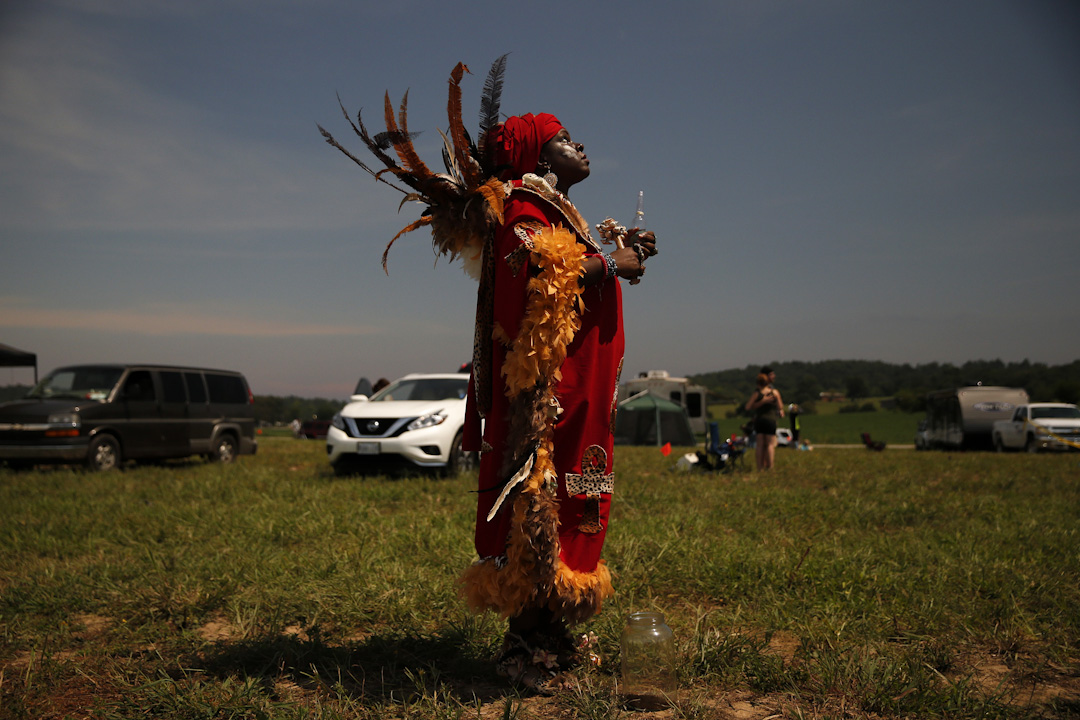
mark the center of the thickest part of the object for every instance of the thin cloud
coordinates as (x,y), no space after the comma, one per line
(169,320)
(100,150)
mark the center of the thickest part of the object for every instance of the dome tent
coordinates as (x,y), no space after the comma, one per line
(645,419)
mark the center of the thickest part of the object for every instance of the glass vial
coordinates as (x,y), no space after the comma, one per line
(648,662)
(639,214)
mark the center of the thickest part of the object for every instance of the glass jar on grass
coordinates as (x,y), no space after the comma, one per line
(648,662)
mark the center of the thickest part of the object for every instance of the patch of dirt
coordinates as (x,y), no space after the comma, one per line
(85,627)
(1023,683)
(217,629)
(747,706)
(783,644)
(93,626)
(297,632)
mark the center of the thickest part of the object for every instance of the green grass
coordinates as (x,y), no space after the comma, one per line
(829,426)
(844,584)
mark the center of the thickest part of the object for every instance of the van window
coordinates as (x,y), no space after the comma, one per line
(195,389)
(172,387)
(139,386)
(226,389)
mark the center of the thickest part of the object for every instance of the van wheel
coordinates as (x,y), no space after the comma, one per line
(224,449)
(104,454)
(460,459)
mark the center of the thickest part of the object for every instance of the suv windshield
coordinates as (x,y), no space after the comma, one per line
(82,383)
(1064,413)
(423,389)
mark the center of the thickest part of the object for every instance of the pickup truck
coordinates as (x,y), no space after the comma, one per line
(1039,426)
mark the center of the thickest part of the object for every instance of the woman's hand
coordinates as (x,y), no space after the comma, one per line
(640,246)
(629,262)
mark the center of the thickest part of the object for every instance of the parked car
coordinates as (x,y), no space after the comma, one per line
(415,422)
(101,415)
(1039,426)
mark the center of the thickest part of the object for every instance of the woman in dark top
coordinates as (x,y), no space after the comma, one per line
(767,407)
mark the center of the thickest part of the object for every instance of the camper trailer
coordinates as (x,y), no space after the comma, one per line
(676,389)
(964,417)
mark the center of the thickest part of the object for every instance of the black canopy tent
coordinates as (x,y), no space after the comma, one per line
(13,357)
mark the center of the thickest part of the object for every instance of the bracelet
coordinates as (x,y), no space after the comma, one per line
(610,268)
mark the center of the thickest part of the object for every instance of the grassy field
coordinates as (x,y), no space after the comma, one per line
(829,426)
(845,584)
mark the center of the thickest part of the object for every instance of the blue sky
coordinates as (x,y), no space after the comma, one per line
(893,180)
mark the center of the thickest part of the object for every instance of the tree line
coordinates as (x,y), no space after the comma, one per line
(799,382)
(803,382)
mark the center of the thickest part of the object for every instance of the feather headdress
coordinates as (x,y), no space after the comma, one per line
(464,204)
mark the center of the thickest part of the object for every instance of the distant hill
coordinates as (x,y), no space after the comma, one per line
(802,382)
(799,382)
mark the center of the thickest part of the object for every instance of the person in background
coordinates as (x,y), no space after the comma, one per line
(767,407)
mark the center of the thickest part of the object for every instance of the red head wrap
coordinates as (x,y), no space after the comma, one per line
(517,142)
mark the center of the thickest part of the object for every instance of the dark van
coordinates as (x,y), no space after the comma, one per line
(102,415)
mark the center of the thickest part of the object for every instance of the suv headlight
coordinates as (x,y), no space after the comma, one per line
(429,420)
(63,425)
(337,422)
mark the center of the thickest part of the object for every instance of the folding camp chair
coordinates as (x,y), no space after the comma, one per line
(878,445)
(722,455)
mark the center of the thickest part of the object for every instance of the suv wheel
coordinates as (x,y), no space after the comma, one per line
(460,459)
(224,449)
(104,454)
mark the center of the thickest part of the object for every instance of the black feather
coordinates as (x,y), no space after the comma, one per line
(492,97)
(386,139)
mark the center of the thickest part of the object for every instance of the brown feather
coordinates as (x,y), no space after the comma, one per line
(425,220)
(330,139)
(392,127)
(403,144)
(371,144)
(457,128)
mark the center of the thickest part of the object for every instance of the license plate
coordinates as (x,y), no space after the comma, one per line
(367,448)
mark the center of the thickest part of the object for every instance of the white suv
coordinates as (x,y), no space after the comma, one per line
(414,422)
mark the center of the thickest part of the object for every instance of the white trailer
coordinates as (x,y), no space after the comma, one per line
(964,417)
(677,389)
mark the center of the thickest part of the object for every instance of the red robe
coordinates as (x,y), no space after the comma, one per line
(587,394)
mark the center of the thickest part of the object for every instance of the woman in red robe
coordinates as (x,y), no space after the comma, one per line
(549,349)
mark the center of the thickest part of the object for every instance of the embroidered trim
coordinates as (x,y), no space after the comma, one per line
(566,208)
(525,232)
